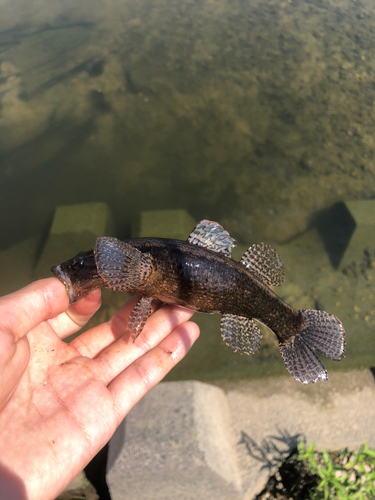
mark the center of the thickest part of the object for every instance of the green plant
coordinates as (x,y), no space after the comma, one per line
(344,475)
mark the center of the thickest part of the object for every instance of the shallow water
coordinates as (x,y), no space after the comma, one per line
(256,114)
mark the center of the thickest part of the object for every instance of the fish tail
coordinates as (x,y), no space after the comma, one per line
(320,332)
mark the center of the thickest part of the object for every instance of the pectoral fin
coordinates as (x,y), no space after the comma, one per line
(120,265)
(240,333)
(211,235)
(264,263)
(139,316)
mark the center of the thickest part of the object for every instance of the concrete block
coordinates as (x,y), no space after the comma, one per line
(177,224)
(93,218)
(74,228)
(176,443)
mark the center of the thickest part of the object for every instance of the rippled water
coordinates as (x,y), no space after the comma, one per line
(257,114)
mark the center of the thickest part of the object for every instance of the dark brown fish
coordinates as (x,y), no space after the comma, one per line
(200,274)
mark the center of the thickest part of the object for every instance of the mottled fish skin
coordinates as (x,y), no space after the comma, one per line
(205,281)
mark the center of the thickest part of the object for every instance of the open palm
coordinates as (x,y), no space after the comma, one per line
(60,403)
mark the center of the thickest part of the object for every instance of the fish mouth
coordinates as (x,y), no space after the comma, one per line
(66,281)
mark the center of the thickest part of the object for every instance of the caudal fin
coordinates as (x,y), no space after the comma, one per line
(320,332)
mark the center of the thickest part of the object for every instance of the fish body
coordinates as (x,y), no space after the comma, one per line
(200,274)
(206,281)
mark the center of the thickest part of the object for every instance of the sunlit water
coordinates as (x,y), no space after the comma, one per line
(257,114)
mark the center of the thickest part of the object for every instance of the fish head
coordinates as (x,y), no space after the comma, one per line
(79,275)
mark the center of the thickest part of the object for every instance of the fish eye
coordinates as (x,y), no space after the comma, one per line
(77,263)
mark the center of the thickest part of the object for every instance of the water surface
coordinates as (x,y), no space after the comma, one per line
(258,114)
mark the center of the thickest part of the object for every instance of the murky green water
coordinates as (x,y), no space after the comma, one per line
(257,114)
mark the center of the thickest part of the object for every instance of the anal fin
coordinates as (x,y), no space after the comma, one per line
(240,333)
(139,316)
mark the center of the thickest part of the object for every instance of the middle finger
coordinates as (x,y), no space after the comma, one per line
(95,340)
(122,353)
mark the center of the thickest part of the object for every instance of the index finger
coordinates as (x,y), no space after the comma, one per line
(23,310)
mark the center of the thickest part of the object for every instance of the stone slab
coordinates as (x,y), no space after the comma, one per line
(74,228)
(176,443)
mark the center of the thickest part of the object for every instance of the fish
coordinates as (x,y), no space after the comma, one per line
(200,274)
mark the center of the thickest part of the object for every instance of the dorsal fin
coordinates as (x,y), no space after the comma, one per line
(211,235)
(264,262)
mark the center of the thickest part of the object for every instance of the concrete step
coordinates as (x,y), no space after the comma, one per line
(74,228)
(190,440)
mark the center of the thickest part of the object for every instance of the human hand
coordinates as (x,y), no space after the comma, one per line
(60,403)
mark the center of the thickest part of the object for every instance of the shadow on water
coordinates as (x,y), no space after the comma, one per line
(335,226)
